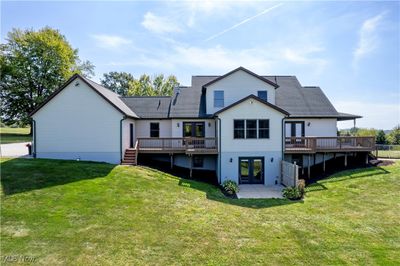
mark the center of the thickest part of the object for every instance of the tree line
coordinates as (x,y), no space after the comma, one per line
(392,138)
(33,64)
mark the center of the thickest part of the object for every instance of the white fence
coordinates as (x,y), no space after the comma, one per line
(290,174)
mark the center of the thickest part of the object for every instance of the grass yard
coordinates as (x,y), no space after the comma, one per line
(394,154)
(14,135)
(79,213)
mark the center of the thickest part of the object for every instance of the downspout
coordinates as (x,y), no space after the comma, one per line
(120,138)
(34,138)
(283,138)
(219,149)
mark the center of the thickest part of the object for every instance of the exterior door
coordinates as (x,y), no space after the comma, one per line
(131,135)
(251,170)
(294,130)
(193,129)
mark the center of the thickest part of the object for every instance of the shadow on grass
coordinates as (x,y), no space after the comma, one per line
(213,192)
(21,175)
(318,184)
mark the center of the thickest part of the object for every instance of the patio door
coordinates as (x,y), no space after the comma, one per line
(193,129)
(251,170)
(294,130)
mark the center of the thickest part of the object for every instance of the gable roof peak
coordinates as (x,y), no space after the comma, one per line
(240,68)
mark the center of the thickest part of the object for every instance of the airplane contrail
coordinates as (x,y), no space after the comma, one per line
(242,22)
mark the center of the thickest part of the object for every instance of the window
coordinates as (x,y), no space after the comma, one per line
(238,129)
(154,130)
(263,95)
(218,98)
(198,161)
(263,129)
(251,129)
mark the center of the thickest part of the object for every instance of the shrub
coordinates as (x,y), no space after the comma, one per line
(292,193)
(230,187)
(295,193)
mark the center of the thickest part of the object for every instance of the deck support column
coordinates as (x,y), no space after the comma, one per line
(191,166)
(345,160)
(309,167)
(323,165)
(366,158)
(172,160)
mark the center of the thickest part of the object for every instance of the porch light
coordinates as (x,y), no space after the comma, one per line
(177,124)
(308,124)
(230,160)
(272,159)
(209,124)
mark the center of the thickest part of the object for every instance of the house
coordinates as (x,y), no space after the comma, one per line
(240,125)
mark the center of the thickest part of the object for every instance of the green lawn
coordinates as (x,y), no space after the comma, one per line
(389,154)
(78,213)
(13,135)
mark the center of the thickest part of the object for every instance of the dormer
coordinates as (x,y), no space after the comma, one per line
(236,85)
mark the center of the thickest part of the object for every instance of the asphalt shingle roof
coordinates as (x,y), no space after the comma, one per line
(149,107)
(189,102)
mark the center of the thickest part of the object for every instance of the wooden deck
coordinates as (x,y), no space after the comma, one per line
(177,145)
(300,145)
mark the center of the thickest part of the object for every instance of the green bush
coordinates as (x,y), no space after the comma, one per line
(295,193)
(230,187)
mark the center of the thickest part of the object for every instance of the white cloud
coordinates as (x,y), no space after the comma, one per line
(368,40)
(305,55)
(159,24)
(218,59)
(377,115)
(110,41)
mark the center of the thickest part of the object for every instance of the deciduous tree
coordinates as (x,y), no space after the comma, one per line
(33,65)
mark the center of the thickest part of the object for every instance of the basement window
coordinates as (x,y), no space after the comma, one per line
(198,161)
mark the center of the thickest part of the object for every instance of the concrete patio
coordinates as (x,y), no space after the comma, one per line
(14,150)
(260,192)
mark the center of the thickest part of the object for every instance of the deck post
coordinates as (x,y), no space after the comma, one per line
(309,167)
(191,166)
(366,158)
(172,160)
(345,160)
(323,159)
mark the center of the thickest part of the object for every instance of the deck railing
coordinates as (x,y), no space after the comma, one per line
(331,144)
(177,144)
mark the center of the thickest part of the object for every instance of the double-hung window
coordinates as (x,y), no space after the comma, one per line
(251,129)
(154,130)
(218,98)
(263,129)
(238,129)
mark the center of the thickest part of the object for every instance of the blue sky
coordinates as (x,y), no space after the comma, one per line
(349,49)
